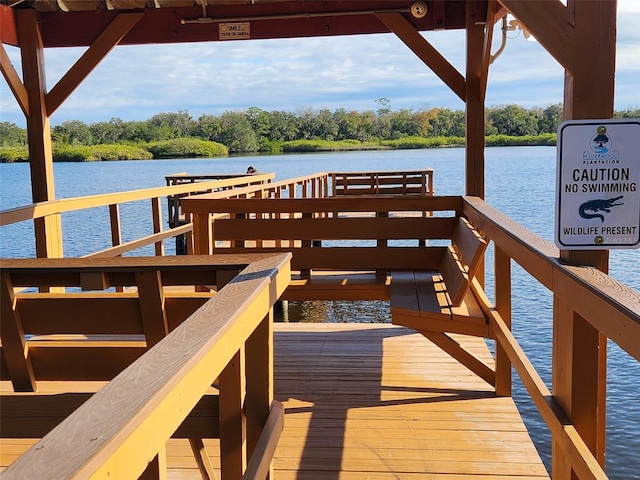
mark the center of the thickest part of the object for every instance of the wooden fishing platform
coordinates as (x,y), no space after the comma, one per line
(377,401)
(357,406)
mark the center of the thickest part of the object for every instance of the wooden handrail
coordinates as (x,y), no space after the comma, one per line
(270,188)
(390,182)
(128,422)
(44,209)
(608,306)
(611,307)
(207,204)
(258,466)
(582,459)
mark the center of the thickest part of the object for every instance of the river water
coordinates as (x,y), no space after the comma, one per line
(520,182)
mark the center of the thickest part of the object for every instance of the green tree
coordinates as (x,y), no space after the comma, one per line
(283,126)
(208,127)
(236,133)
(347,124)
(12,135)
(403,124)
(108,132)
(513,120)
(447,123)
(172,124)
(550,119)
(73,132)
(632,112)
(259,120)
(384,106)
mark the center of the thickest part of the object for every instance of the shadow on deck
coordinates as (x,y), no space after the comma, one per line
(379,401)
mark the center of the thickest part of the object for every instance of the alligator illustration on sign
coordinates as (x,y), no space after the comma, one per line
(598,205)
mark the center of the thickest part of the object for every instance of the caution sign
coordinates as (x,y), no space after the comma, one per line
(598,174)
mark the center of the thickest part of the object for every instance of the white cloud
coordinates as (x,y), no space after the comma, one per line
(135,82)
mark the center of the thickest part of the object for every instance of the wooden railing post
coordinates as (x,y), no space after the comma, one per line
(233,454)
(259,361)
(502,267)
(156,211)
(579,382)
(202,237)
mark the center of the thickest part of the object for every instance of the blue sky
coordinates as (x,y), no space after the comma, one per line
(135,82)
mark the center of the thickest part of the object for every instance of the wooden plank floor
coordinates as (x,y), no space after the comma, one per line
(372,401)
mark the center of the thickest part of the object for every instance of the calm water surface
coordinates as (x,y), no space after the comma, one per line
(520,182)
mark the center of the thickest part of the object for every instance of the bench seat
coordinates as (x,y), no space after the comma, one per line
(333,285)
(420,300)
(441,301)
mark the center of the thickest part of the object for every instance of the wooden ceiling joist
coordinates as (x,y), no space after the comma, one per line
(268,19)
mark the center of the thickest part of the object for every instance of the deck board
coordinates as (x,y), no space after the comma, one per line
(373,401)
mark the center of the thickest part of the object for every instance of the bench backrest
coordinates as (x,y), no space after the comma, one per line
(419,182)
(342,234)
(461,262)
(49,333)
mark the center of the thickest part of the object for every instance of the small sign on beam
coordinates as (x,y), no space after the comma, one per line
(598,175)
(234,31)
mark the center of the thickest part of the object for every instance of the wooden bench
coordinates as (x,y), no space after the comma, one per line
(59,347)
(417,252)
(441,300)
(363,248)
(344,248)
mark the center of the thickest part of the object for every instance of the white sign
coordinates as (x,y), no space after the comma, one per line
(234,31)
(598,175)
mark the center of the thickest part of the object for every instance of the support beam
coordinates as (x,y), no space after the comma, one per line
(48,230)
(98,50)
(425,51)
(486,47)
(474,112)
(13,79)
(551,23)
(453,348)
(580,351)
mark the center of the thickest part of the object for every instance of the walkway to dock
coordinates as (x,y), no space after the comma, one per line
(378,401)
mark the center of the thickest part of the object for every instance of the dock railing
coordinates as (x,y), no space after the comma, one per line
(584,298)
(320,185)
(586,302)
(405,182)
(121,432)
(50,212)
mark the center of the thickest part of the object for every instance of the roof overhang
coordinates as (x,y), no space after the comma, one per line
(179,21)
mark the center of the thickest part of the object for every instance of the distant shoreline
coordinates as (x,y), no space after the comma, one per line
(190,148)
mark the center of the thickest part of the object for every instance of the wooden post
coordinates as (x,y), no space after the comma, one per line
(503,305)
(156,211)
(474,106)
(579,363)
(259,361)
(233,455)
(202,237)
(48,230)
(14,346)
(152,309)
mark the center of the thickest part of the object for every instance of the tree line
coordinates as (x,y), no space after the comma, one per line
(257,130)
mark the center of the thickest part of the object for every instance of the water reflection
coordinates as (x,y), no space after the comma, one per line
(374,311)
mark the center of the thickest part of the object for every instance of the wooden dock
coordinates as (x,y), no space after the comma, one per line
(377,401)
